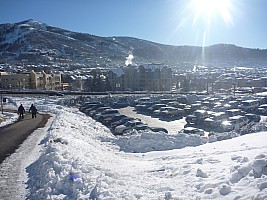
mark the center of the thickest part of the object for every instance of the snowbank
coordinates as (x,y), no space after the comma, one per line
(83,160)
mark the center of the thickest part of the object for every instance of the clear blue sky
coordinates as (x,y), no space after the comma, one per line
(175,22)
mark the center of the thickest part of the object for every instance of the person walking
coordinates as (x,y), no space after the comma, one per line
(33,110)
(21,111)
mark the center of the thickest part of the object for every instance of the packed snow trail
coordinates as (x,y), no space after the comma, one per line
(26,135)
(11,136)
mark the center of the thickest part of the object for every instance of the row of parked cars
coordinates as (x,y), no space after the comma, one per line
(219,113)
(226,114)
(171,108)
(119,124)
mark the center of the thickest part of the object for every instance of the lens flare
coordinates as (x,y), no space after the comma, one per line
(209,10)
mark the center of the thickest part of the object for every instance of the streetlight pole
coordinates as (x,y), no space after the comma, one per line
(2,107)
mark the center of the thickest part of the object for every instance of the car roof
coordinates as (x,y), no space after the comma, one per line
(236,117)
(189,128)
(133,121)
(200,111)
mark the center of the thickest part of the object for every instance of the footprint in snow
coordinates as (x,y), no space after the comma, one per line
(224,189)
(201,174)
(212,161)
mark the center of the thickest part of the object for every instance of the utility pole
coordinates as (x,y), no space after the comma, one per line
(2,107)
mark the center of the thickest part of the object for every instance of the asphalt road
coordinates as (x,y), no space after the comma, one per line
(12,135)
(173,125)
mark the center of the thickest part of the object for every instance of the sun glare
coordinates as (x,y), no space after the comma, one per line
(208,10)
(204,22)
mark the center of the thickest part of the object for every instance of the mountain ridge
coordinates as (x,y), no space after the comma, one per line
(34,42)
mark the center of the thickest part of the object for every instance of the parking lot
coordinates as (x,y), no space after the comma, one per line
(207,115)
(173,126)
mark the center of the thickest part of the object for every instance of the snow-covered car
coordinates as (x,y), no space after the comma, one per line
(154,107)
(249,105)
(158,111)
(234,122)
(120,104)
(215,119)
(192,130)
(121,121)
(143,106)
(105,114)
(119,130)
(158,129)
(141,100)
(182,99)
(253,117)
(262,109)
(98,110)
(114,118)
(89,106)
(171,112)
(93,108)
(197,117)
(234,112)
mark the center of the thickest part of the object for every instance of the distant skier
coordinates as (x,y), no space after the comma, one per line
(33,110)
(21,111)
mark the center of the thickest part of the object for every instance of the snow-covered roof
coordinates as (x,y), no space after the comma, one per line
(118,71)
(153,66)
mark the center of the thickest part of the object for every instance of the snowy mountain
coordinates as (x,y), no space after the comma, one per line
(75,157)
(33,42)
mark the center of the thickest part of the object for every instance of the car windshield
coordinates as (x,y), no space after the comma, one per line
(191,130)
(199,113)
(138,123)
(129,123)
(236,121)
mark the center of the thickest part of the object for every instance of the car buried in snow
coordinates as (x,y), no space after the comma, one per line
(253,117)
(192,131)
(107,121)
(121,121)
(158,129)
(262,109)
(197,117)
(169,112)
(105,114)
(234,123)
(121,129)
(215,119)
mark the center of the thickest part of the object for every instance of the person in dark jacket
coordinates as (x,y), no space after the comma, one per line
(33,110)
(21,111)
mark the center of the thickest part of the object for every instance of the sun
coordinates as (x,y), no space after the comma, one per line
(209,10)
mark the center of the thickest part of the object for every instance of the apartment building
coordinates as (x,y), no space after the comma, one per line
(116,79)
(14,81)
(31,80)
(44,81)
(151,77)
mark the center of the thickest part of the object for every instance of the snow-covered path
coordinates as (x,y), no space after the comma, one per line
(13,169)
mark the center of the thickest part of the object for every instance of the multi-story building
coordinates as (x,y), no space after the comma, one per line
(14,81)
(31,80)
(116,79)
(151,77)
(45,81)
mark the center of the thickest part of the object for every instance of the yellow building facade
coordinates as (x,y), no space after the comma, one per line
(31,80)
